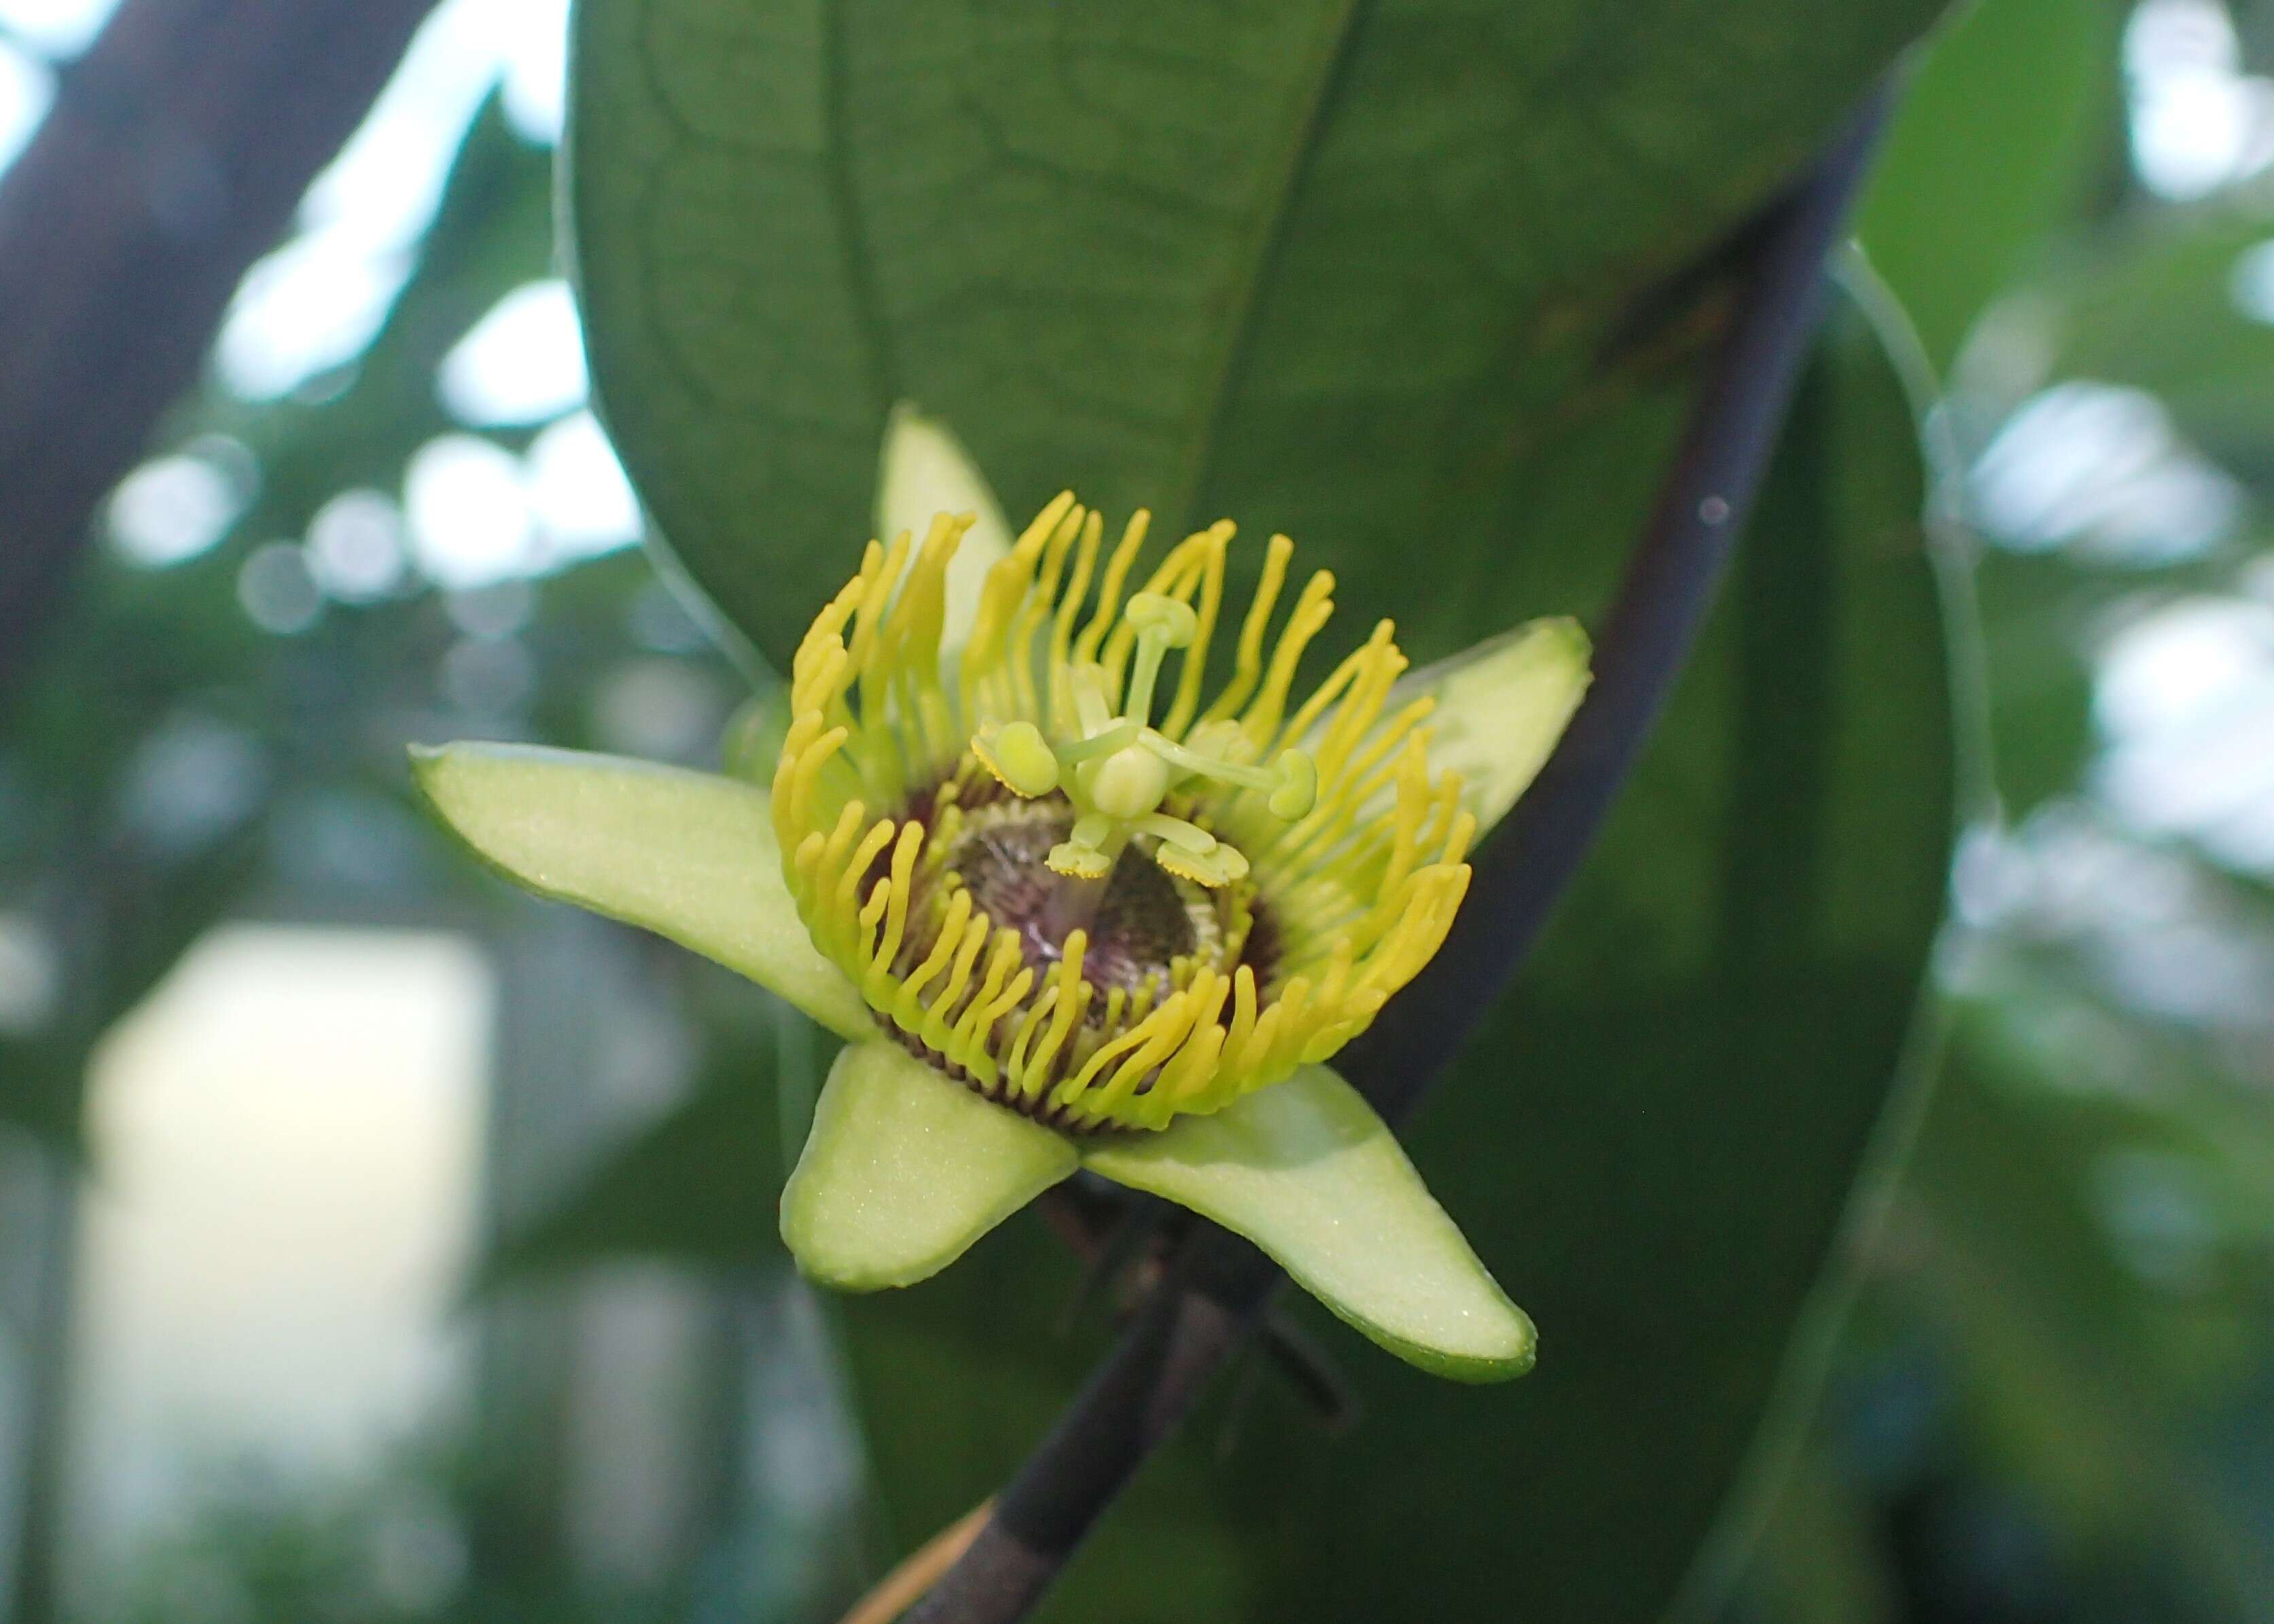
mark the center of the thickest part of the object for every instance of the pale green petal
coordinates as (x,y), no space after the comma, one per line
(689,855)
(1500,707)
(905,1168)
(925,470)
(1306,1170)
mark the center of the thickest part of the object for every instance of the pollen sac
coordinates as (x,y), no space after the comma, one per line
(1297,790)
(1018,757)
(1060,877)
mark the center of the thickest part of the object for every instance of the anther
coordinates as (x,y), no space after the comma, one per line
(1017,754)
(1297,789)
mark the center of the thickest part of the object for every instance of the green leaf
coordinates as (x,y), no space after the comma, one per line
(689,855)
(905,1168)
(1333,269)
(1501,708)
(1307,1171)
(1823,1556)
(1984,162)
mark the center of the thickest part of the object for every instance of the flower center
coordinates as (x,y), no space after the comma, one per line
(1092,897)
(1122,768)
(1144,919)
(1124,942)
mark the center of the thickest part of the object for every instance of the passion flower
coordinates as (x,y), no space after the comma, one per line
(1072,908)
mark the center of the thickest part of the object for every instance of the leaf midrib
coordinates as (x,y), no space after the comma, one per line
(1284,175)
(844,197)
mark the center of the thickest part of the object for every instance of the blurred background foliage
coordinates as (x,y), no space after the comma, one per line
(389,515)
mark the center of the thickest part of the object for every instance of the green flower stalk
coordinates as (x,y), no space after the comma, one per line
(1072,910)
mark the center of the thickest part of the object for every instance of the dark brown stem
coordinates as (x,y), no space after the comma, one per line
(173,157)
(1219,1284)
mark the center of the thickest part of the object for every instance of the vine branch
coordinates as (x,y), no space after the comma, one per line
(1218,1285)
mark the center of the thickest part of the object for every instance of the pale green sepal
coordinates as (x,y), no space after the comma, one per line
(1306,1170)
(925,470)
(1500,707)
(905,1168)
(689,855)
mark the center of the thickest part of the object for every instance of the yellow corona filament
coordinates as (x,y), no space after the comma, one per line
(952,830)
